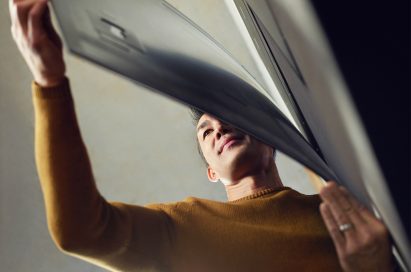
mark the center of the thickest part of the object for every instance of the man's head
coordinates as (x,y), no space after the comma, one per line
(229,153)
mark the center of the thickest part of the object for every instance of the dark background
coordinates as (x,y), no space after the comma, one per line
(371,41)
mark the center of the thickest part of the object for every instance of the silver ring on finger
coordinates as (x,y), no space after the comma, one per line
(345,227)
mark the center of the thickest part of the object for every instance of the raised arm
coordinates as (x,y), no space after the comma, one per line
(80,220)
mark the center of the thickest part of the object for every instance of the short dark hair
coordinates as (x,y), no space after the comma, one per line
(196,115)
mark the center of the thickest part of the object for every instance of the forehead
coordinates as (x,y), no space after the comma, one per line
(206,119)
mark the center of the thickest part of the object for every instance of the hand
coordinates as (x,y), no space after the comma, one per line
(360,239)
(37,40)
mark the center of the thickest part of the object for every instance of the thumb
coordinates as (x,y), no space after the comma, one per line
(36,29)
(48,25)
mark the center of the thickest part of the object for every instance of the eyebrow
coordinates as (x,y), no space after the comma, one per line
(203,124)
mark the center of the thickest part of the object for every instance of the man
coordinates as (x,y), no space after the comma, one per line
(263,227)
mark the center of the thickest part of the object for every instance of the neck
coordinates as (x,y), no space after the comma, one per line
(265,179)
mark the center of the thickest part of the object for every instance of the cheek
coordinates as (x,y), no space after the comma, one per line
(206,150)
(268,154)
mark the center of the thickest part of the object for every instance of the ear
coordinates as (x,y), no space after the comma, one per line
(211,174)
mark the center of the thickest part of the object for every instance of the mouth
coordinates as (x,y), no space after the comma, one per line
(227,143)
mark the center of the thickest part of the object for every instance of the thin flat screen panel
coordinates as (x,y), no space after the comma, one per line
(151,43)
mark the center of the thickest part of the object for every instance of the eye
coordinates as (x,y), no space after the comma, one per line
(206,132)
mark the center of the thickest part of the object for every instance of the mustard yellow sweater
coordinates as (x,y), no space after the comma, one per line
(273,230)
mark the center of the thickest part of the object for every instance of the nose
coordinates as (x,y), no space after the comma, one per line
(222,128)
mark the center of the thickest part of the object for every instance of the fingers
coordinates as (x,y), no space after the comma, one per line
(332,227)
(361,209)
(31,24)
(37,40)
(347,203)
(36,24)
(51,31)
(19,10)
(18,14)
(361,240)
(341,208)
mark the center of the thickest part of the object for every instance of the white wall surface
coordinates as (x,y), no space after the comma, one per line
(142,145)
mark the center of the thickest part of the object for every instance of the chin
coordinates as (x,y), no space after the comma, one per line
(240,162)
(246,159)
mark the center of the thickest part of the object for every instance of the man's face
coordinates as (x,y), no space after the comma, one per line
(230,153)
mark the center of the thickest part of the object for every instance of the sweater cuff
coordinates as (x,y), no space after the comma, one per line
(60,91)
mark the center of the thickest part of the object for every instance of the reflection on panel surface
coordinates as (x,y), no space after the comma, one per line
(154,45)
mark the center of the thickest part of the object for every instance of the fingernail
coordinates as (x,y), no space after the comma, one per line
(330,183)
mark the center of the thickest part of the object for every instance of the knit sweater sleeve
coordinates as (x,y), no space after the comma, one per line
(115,236)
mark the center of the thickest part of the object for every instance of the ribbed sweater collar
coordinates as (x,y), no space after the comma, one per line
(260,194)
